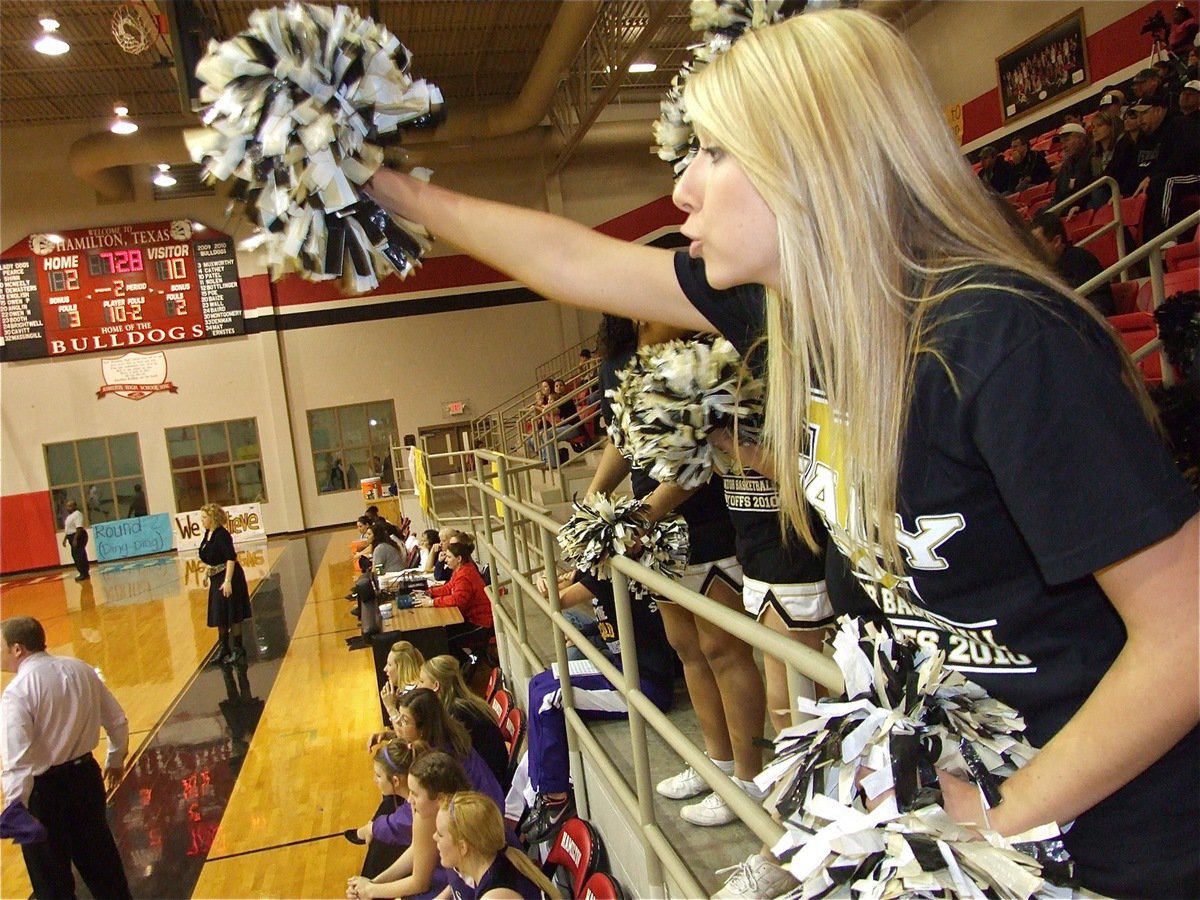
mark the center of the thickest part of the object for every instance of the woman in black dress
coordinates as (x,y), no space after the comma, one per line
(228,595)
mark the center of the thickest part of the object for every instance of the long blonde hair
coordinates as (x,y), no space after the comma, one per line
(475,820)
(832,119)
(408,660)
(452,690)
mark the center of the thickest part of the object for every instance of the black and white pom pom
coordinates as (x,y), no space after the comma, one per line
(298,109)
(903,716)
(721,23)
(671,396)
(605,526)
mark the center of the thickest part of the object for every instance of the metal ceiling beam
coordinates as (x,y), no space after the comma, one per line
(656,15)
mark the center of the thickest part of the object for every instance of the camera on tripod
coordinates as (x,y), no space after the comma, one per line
(1157,26)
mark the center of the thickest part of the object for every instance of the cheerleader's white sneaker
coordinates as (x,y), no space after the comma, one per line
(684,786)
(755,879)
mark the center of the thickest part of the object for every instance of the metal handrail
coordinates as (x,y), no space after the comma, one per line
(1152,250)
(1117,223)
(512,566)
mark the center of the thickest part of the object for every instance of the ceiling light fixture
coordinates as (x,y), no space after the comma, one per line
(49,43)
(122,124)
(640,68)
(164,178)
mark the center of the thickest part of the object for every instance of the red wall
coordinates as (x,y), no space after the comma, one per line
(27,536)
(1111,49)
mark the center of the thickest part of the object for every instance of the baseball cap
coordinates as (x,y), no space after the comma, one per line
(1071,128)
(1156,99)
(1191,86)
(1108,100)
(1146,73)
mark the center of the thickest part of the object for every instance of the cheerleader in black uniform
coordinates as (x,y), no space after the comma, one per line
(228,595)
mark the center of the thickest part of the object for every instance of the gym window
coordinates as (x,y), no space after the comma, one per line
(218,462)
(97,473)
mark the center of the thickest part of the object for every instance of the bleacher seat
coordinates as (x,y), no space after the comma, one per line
(512,726)
(602,886)
(1137,329)
(496,679)
(577,851)
(1184,256)
(1133,210)
(1173,283)
(1125,294)
(502,701)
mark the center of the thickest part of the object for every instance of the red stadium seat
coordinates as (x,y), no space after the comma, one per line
(576,850)
(1137,329)
(502,701)
(1125,294)
(602,886)
(1133,209)
(1185,256)
(494,683)
(512,726)
(1173,283)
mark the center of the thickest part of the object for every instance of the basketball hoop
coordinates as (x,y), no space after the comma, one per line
(133,28)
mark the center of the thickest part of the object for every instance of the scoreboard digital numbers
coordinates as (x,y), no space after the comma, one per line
(118,288)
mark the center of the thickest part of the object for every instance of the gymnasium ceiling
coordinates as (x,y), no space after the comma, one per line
(487,56)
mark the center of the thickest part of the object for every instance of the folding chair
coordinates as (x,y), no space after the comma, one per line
(502,701)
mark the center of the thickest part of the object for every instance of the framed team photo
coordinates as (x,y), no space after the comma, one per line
(1043,68)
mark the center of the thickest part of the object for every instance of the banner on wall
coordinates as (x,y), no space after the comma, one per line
(132,537)
(245,524)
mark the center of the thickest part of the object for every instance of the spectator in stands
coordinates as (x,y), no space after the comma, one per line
(1076,265)
(443,676)
(1029,166)
(1052,417)
(1168,163)
(465,590)
(1114,155)
(1146,83)
(1189,99)
(1192,70)
(996,172)
(432,776)
(430,547)
(471,841)
(594,698)
(385,555)
(1075,170)
(442,571)
(1183,30)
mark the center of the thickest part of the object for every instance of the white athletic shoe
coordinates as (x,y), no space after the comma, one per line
(755,879)
(683,786)
(712,810)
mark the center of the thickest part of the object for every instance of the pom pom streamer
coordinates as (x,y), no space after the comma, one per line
(298,109)
(903,716)
(721,23)
(671,396)
(606,526)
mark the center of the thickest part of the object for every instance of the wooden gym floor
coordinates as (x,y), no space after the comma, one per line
(240,780)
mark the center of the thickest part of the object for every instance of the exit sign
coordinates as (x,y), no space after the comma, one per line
(457,408)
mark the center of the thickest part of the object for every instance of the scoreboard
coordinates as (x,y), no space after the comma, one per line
(118,288)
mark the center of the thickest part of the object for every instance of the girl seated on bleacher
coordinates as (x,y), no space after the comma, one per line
(443,676)
(422,719)
(471,844)
(416,873)
(390,830)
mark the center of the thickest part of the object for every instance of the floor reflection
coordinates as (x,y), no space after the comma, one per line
(168,809)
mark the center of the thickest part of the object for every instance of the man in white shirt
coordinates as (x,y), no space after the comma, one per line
(52,713)
(77,536)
